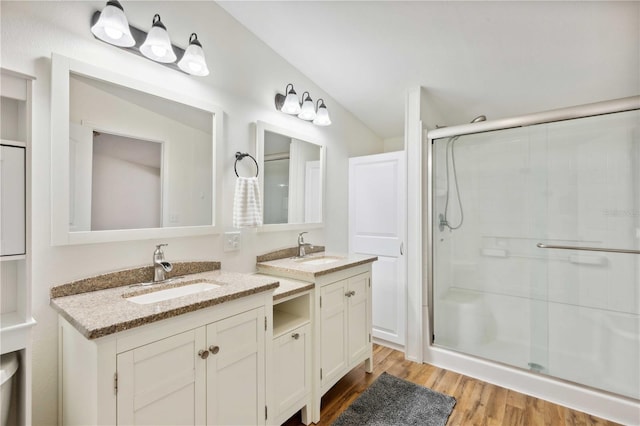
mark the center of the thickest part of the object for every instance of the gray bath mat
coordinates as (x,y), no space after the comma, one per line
(391,401)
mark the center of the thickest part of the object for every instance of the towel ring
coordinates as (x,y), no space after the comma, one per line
(240,156)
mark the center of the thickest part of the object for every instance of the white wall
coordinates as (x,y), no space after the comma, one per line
(393,144)
(245,75)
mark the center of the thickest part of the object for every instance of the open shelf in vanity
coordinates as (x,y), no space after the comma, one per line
(291,313)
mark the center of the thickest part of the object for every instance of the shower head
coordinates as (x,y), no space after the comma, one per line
(479,118)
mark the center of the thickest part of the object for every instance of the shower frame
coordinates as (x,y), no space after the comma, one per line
(601,403)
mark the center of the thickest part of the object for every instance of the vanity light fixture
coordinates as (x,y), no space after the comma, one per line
(290,104)
(322,114)
(157,45)
(111,26)
(192,61)
(308,110)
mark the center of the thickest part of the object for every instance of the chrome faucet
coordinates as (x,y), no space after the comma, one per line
(302,245)
(160,266)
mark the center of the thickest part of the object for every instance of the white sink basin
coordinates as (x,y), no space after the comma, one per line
(171,293)
(320,260)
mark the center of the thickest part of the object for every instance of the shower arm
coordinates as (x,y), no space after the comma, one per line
(608,250)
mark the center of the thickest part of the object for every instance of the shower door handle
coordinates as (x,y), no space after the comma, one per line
(402,248)
(608,250)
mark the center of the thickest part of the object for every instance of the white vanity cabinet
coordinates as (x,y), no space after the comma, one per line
(292,357)
(340,327)
(163,382)
(203,367)
(345,327)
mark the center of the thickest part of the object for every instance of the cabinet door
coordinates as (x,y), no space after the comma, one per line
(359,328)
(333,330)
(236,370)
(292,373)
(163,383)
(12,200)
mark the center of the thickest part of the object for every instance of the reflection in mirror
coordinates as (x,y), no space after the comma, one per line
(124,145)
(129,160)
(117,161)
(292,177)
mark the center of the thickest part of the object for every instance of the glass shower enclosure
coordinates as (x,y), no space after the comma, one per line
(535,239)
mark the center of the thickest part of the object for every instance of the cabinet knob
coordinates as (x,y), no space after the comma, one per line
(214,349)
(350,293)
(204,354)
(296,336)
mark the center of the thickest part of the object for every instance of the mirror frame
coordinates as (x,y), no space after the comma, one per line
(61,68)
(261,128)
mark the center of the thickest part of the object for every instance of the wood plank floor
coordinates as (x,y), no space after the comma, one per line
(478,403)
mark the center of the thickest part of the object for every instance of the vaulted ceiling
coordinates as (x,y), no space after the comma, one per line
(495,58)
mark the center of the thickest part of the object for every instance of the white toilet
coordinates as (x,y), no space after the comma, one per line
(8,368)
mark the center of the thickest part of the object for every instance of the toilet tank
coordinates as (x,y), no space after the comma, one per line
(8,368)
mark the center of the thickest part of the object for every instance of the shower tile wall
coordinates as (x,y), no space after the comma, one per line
(577,314)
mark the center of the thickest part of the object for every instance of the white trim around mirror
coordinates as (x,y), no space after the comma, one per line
(61,67)
(261,128)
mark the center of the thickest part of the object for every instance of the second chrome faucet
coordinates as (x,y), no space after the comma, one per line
(160,266)
(302,245)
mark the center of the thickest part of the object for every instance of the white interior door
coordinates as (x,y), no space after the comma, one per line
(377,226)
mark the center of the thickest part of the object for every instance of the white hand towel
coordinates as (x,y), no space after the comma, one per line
(247,208)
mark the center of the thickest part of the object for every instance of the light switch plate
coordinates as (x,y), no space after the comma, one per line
(232,241)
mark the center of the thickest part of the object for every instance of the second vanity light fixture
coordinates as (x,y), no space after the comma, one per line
(290,104)
(111,26)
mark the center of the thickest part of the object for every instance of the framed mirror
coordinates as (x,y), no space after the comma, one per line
(291,176)
(129,160)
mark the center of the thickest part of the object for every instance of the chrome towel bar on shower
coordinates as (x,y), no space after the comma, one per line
(610,250)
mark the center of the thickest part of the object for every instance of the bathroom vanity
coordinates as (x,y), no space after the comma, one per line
(340,315)
(209,346)
(200,358)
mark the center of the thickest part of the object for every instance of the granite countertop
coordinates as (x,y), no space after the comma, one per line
(288,287)
(305,269)
(102,312)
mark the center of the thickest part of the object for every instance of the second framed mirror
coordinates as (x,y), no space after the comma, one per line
(291,178)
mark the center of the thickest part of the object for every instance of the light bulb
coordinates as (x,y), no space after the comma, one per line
(193,61)
(291,103)
(308,111)
(111,25)
(113,33)
(322,116)
(157,45)
(158,50)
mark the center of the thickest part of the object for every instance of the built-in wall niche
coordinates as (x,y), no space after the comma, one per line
(292,178)
(130,160)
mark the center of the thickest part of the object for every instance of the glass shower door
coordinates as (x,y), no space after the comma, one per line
(502,197)
(593,196)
